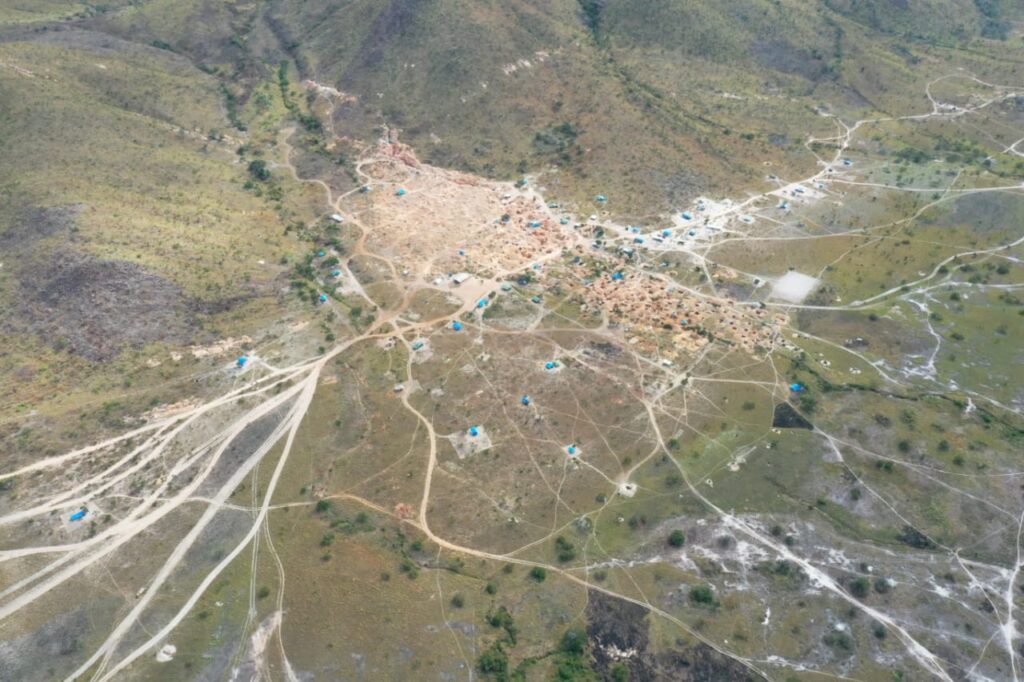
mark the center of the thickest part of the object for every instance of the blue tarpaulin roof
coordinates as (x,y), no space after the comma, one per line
(78,515)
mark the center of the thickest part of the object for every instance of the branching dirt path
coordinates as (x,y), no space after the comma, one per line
(195,460)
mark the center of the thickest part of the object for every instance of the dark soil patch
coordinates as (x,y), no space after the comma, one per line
(618,625)
(788,418)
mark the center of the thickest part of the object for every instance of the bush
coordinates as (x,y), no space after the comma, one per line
(676,538)
(574,641)
(860,587)
(458,601)
(323,506)
(258,169)
(493,662)
(564,549)
(702,594)
(538,574)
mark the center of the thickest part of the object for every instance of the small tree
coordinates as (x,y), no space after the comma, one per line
(258,169)
(494,662)
(702,594)
(676,538)
(574,641)
(538,574)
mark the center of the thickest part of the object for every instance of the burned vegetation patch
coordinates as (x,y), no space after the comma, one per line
(618,631)
(80,303)
(786,417)
(94,307)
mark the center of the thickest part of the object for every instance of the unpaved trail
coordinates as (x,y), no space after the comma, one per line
(296,389)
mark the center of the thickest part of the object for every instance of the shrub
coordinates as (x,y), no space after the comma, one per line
(538,574)
(574,641)
(493,662)
(258,169)
(564,549)
(702,594)
(676,538)
(860,587)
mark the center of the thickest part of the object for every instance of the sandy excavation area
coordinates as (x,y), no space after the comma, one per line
(434,222)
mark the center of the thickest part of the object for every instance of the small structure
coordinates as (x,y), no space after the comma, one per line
(335,273)
(564,221)
(336,217)
(525,400)
(796,388)
(571,450)
(600,198)
(460,277)
(240,362)
(687,215)
(323,298)
(321,253)
(474,431)
(535,299)
(79,515)
(617,277)
(482,303)
(533,224)
(400,192)
(456,326)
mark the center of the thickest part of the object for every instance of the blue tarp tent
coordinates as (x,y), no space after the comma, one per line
(79,515)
